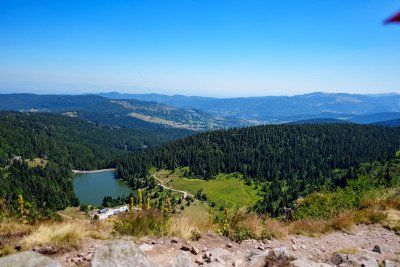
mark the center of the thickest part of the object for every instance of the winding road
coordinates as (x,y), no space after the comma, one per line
(161,183)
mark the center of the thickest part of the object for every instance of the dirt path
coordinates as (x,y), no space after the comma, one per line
(356,244)
(161,183)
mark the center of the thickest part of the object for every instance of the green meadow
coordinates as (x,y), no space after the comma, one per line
(227,190)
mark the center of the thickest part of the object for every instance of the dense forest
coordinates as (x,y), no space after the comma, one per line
(286,160)
(72,141)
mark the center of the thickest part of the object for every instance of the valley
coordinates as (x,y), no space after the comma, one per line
(199,133)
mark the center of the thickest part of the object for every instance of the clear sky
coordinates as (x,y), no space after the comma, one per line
(202,47)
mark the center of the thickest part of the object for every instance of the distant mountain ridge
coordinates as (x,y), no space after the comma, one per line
(172,113)
(271,109)
(119,112)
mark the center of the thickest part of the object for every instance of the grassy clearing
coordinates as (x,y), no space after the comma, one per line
(36,162)
(225,190)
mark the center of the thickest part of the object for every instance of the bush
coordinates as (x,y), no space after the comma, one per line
(142,223)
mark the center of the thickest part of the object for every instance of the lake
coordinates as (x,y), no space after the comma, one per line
(92,187)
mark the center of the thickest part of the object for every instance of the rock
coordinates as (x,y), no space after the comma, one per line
(182,260)
(210,259)
(294,247)
(199,261)
(229,245)
(119,253)
(174,240)
(257,258)
(337,258)
(186,247)
(195,250)
(260,247)
(280,255)
(146,247)
(376,249)
(238,262)
(207,255)
(220,253)
(220,260)
(351,258)
(28,258)
(388,263)
(366,261)
(45,250)
(216,264)
(308,263)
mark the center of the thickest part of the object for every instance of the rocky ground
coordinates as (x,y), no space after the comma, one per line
(370,245)
(371,242)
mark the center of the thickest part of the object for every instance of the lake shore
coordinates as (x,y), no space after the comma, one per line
(95,171)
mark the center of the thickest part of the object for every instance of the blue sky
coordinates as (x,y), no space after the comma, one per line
(209,47)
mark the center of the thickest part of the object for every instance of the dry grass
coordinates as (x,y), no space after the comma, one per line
(6,250)
(100,230)
(68,235)
(385,199)
(392,220)
(308,227)
(10,227)
(342,222)
(73,213)
(183,227)
(242,224)
(195,219)
(11,232)
(370,216)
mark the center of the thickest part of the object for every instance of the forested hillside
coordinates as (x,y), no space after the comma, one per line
(80,144)
(60,143)
(286,160)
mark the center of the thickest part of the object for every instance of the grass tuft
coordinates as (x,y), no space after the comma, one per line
(68,235)
(242,224)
